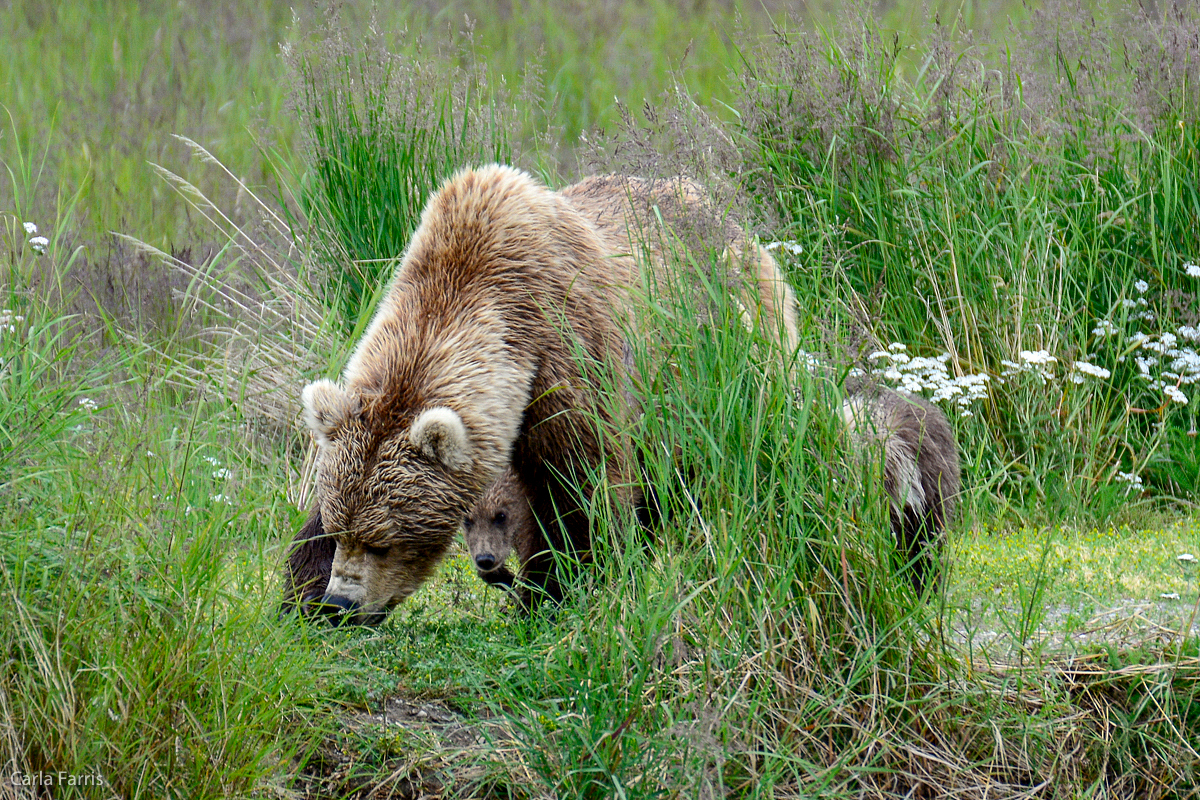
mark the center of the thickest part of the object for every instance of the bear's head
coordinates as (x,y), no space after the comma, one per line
(496,523)
(391,493)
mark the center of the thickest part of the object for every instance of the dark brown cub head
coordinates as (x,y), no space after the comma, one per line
(494,526)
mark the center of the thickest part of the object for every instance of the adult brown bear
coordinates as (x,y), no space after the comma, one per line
(510,299)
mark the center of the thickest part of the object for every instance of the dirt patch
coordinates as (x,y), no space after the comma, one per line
(414,749)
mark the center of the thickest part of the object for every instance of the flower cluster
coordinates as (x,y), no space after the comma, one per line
(795,248)
(9,321)
(1035,362)
(88,404)
(1081,368)
(1163,364)
(1134,480)
(919,374)
(38,243)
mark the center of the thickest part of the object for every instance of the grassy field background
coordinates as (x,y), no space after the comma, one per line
(1013,190)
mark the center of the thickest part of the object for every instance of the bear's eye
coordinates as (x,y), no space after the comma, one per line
(378,552)
(500,518)
(468,522)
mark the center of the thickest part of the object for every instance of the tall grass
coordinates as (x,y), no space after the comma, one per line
(99,91)
(759,643)
(982,206)
(384,132)
(141,656)
(763,643)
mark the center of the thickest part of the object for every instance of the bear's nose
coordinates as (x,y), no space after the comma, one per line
(485,562)
(337,609)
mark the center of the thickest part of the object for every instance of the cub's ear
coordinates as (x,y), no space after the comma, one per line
(439,433)
(327,406)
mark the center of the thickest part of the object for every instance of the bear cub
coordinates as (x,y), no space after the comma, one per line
(500,521)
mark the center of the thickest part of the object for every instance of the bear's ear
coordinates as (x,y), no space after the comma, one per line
(327,406)
(439,433)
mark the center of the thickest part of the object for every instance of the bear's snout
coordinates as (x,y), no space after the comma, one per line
(344,611)
(485,562)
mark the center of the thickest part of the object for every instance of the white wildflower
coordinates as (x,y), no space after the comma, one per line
(30,228)
(1173,393)
(222,474)
(921,374)
(88,404)
(1092,369)
(212,461)
(9,320)
(1133,479)
(795,248)
(1127,303)
(808,359)
(1104,327)
(1187,557)
(1037,357)
(39,244)
(221,498)
(1141,286)
(1192,269)
(1169,595)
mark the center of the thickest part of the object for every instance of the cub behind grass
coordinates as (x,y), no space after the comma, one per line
(920,470)
(499,342)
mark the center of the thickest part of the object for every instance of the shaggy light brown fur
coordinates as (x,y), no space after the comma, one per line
(920,470)
(476,359)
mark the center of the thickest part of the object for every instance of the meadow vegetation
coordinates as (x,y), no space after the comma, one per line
(1007,221)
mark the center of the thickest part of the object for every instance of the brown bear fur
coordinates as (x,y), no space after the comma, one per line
(500,521)
(476,360)
(920,469)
